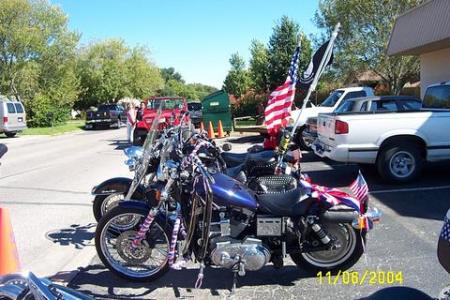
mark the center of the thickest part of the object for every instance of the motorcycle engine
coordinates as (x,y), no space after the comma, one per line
(228,252)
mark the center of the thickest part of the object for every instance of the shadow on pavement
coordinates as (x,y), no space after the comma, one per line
(423,198)
(76,235)
(119,144)
(109,286)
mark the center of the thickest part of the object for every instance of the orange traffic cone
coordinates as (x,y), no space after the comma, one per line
(220,134)
(9,258)
(210,130)
(202,127)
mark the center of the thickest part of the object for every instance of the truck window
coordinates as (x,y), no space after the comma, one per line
(11,109)
(345,106)
(357,94)
(106,107)
(409,104)
(383,106)
(194,106)
(437,97)
(331,100)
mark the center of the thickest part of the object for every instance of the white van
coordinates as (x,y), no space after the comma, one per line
(12,116)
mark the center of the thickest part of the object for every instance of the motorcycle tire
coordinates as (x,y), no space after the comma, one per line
(164,228)
(310,263)
(98,203)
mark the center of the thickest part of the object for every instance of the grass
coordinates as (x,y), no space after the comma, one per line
(246,122)
(70,126)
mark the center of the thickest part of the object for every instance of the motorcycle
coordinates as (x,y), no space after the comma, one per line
(204,213)
(30,287)
(245,167)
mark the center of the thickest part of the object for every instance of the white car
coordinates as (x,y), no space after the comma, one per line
(397,141)
(328,105)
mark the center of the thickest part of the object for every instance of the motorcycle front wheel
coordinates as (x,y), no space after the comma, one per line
(349,246)
(145,262)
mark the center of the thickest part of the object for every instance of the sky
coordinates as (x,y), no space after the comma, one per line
(196,37)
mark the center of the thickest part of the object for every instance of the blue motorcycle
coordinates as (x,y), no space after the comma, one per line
(204,214)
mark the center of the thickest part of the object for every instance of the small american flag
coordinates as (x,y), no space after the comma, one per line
(278,108)
(445,231)
(359,187)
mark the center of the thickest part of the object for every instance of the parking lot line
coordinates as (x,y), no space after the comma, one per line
(418,189)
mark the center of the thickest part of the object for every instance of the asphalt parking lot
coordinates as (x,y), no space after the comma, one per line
(404,243)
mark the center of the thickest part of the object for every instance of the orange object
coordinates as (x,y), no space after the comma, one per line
(210,130)
(220,134)
(9,258)
(202,127)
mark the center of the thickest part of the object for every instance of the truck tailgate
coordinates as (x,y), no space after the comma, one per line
(325,129)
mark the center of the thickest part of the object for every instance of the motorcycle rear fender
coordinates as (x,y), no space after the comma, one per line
(118,185)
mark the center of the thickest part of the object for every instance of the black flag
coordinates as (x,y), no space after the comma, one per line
(310,72)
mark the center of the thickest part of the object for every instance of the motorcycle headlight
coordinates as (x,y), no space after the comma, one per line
(131,163)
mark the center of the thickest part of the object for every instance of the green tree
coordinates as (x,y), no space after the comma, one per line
(143,77)
(103,73)
(237,81)
(363,39)
(171,74)
(259,67)
(282,44)
(37,53)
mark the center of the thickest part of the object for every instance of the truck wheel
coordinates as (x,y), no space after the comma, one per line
(400,163)
(304,145)
(10,134)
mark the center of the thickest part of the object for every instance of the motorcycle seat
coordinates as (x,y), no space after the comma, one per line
(287,203)
(234,159)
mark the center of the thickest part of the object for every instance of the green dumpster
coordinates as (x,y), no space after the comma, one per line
(215,107)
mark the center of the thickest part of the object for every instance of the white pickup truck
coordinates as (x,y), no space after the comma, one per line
(328,105)
(397,142)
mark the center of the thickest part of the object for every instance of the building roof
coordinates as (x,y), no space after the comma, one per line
(422,29)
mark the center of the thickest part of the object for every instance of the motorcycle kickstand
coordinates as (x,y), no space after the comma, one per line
(238,269)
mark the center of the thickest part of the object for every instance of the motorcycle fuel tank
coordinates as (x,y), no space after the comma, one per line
(229,192)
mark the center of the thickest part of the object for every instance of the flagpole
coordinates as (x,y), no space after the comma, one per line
(320,69)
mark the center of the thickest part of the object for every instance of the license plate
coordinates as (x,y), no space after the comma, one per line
(20,119)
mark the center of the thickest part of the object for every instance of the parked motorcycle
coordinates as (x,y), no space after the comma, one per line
(245,167)
(30,287)
(218,220)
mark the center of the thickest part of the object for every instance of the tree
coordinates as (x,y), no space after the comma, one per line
(37,54)
(143,78)
(363,39)
(171,74)
(259,67)
(237,81)
(109,71)
(282,45)
(103,73)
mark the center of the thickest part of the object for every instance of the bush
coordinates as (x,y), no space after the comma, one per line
(247,104)
(43,111)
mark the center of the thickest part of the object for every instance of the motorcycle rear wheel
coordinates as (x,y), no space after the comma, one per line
(111,245)
(352,243)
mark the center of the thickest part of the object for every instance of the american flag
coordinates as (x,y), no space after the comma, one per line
(278,108)
(359,187)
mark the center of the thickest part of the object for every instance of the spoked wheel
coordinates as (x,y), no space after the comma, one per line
(147,261)
(348,248)
(104,203)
